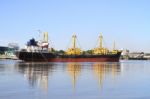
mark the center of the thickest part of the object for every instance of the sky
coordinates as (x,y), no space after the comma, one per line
(127,22)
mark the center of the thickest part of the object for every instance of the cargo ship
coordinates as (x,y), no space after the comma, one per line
(39,51)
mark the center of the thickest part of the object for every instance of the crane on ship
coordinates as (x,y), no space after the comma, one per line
(101,50)
(73,50)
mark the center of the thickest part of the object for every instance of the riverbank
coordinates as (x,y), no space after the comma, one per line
(13,57)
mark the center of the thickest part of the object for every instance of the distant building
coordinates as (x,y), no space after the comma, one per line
(3,49)
(136,55)
(10,48)
(7,52)
(147,55)
(125,54)
(14,46)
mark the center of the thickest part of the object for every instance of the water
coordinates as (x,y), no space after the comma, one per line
(122,80)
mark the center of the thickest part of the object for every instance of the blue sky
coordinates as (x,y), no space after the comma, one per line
(125,21)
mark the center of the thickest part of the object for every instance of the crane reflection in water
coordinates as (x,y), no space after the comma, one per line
(74,69)
(102,69)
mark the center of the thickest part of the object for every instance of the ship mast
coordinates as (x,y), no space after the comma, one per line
(100,41)
(74,41)
(114,51)
(114,46)
(45,39)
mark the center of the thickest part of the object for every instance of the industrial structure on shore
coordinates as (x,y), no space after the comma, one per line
(126,54)
(8,52)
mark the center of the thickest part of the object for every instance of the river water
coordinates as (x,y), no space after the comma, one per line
(119,80)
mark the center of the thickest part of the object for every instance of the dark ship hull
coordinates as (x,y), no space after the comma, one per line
(51,57)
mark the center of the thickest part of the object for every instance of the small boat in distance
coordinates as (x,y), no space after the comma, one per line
(39,51)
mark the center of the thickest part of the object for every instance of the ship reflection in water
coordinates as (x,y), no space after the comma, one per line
(38,74)
(85,80)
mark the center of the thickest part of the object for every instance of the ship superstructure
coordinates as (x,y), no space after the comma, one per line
(38,46)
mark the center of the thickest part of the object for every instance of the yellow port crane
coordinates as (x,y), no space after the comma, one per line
(73,50)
